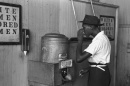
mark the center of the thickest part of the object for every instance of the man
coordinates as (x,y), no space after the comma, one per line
(97,53)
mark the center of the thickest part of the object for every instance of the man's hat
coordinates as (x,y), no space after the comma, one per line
(91,20)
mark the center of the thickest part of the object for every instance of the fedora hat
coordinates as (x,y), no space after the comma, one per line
(91,20)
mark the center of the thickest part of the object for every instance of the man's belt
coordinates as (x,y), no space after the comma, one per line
(99,66)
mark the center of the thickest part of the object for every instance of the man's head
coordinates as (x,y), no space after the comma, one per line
(90,25)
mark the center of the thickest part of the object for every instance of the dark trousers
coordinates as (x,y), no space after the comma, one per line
(98,77)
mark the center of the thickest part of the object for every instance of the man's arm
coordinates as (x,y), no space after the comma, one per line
(80,55)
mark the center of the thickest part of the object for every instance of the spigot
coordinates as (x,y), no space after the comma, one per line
(65,75)
(68,77)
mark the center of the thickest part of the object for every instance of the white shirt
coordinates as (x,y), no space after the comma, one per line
(100,48)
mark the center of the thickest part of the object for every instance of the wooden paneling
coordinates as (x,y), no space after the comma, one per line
(124,11)
(13,66)
(123,57)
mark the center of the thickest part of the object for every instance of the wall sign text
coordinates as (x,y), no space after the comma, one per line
(10,23)
(109,25)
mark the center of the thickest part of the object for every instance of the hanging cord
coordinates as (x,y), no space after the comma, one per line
(72,3)
(92,7)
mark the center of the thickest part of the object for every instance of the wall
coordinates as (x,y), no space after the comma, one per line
(40,17)
(123,55)
(123,64)
(43,17)
(68,24)
(123,76)
(13,63)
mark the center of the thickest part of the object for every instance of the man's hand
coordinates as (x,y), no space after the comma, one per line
(80,34)
(83,71)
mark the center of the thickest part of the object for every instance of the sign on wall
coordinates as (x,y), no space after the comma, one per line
(109,25)
(10,23)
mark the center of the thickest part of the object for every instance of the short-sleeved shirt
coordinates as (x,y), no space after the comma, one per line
(100,48)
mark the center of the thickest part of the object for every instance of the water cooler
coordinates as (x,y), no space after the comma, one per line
(54,55)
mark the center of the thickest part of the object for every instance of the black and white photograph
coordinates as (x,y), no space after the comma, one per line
(64,43)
